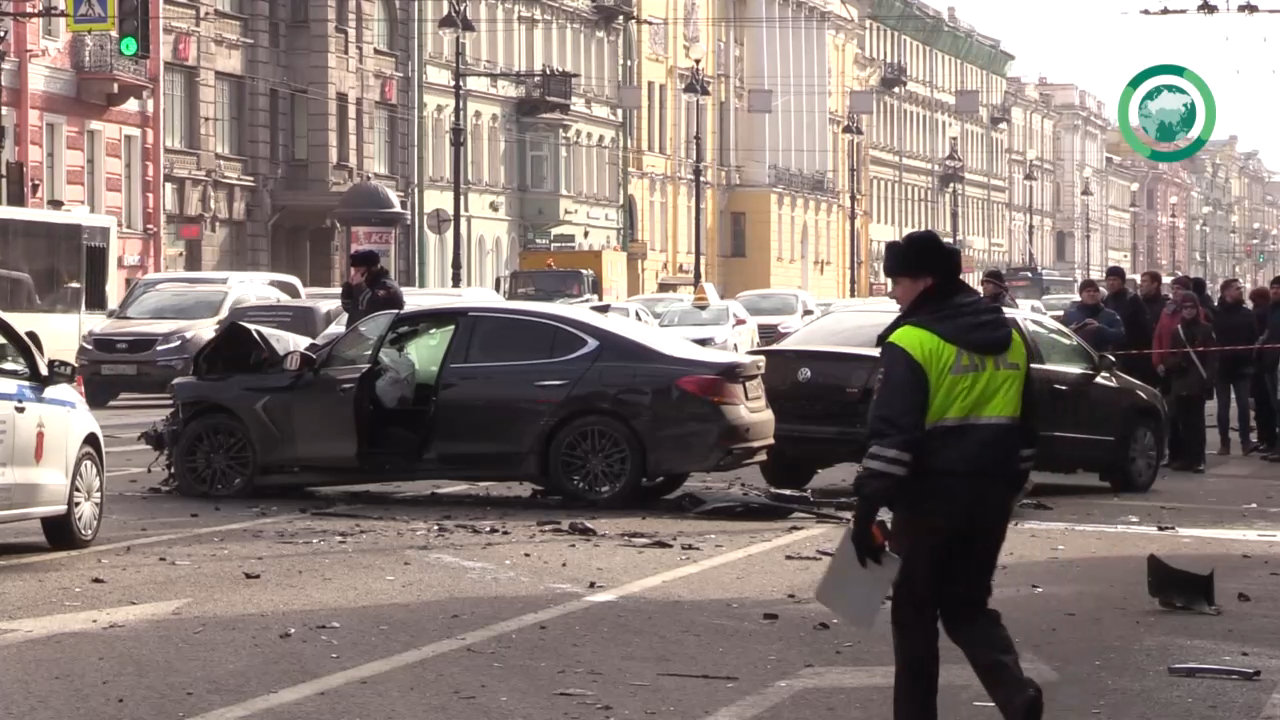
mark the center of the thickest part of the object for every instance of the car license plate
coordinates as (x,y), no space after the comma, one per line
(119,369)
(755,389)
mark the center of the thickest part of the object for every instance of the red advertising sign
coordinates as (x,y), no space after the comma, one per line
(379,239)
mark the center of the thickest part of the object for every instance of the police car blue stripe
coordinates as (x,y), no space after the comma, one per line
(33,393)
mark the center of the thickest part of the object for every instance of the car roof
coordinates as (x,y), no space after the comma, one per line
(190,287)
(322,303)
(772,291)
(888,308)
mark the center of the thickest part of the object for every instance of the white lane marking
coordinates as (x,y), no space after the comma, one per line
(149,540)
(1209,533)
(1272,709)
(129,448)
(1179,506)
(358,673)
(123,471)
(17,631)
(839,678)
(444,491)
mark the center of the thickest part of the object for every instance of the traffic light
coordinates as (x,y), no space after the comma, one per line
(133,24)
(1262,257)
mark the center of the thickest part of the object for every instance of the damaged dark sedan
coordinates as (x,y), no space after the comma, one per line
(556,396)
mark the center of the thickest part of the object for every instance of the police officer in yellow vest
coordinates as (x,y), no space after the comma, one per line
(950,445)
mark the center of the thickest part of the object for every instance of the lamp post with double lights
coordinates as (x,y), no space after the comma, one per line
(1206,213)
(853,130)
(1029,180)
(697,92)
(1133,227)
(1086,194)
(454,25)
(953,178)
(1173,231)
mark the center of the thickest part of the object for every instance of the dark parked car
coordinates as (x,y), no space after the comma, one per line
(821,378)
(559,396)
(307,317)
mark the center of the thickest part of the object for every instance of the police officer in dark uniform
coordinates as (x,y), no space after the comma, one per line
(369,288)
(950,445)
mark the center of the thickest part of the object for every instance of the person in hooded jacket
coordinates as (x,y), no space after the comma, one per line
(1137,327)
(1201,288)
(1269,358)
(1191,368)
(1101,328)
(1264,415)
(369,288)
(1234,325)
(951,443)
(995,291)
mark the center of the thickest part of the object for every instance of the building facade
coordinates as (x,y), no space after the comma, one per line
(1079,152)
(272,111)
(1032,174)
(78,120)
(1120,229)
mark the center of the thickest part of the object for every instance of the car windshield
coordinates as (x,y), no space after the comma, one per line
(690,316)
(658,306)
(1057,304)
(850,328)
(770,304)
(546,282)
(176,305)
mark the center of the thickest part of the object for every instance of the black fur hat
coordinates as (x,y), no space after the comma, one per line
(922,254)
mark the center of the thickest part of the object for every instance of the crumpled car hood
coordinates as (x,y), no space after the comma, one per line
(241,348)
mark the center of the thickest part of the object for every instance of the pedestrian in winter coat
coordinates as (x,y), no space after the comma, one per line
(1234,325)
(1151,293)
(995,291)
(1264,415)
(1201,288)
(1170,317)
(1269,357)
(369,288)
(951,444)
(1137,327)
(1101,328)
(1189,364)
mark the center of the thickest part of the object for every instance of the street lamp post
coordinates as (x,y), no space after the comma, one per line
(1235,246)
(455,24)
(697,92)
(1086,194)
(953,177)
(1257,250)
(1173,231)
(853,130)
(1133,226)
(1206,212)
(1029,179)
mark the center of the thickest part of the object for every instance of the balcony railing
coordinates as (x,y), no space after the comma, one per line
(98,54)
(812,182)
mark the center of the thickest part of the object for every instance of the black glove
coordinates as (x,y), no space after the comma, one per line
(867,542)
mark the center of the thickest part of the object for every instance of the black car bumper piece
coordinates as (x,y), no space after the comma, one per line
(736,438)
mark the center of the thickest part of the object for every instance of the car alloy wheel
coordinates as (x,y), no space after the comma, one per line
(1144,456)
(597,459)
(86,497)
(215,458)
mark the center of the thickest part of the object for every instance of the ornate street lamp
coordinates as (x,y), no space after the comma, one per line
(697,92)
(853,130)
(953,177)
(1029,179)
(455,24)
(1086,194)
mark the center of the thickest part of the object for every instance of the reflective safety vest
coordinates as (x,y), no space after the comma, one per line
(966,388)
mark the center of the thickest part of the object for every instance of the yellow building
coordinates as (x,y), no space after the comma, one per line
(775,203)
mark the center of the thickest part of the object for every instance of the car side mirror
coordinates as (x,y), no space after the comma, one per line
(112,312)
(1106,362)
(35,341)
(61,372)
(808,312)
(299,360)
(739,322)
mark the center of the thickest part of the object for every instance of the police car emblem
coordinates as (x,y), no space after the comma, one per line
(804,375)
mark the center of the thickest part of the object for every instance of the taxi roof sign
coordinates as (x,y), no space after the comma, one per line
(705,294)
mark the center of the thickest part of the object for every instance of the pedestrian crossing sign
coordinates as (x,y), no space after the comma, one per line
(91,15)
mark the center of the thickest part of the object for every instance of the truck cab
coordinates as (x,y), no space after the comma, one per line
(552,284)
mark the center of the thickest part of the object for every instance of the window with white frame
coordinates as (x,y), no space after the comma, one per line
(228,114)
(602,169)
(495,152)
(10,152)
(298,109)
(53,26)
(541,170)
(179,115)
(651,219)
(664,231)
(131,182)
(228,6)
(55,159)
(476,141)
(569,161)
(94,169)
(382,135)
(383,30)
(612,178)
(589,163)
(439,149)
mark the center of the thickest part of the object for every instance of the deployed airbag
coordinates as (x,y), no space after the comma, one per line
(241,348)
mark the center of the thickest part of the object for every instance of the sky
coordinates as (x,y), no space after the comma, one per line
(1100,44)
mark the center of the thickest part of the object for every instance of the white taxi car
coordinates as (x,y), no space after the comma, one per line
(51,448)
(711,322)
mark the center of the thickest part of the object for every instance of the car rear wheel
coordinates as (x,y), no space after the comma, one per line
(215,457)
(1137,470)
(596,459)
(661,487)
(78,526)
(786,473)
(98,397)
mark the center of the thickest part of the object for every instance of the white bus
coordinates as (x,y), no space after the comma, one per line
(57,273)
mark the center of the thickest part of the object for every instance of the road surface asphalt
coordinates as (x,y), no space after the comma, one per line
(461,601)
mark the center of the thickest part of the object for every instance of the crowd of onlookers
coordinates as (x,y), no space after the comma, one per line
(1192,348)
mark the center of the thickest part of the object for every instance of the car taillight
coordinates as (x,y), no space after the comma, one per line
(713,388)
(80,385)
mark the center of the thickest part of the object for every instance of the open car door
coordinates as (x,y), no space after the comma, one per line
(327,403)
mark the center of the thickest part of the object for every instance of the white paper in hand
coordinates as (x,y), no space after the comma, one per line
(853,592)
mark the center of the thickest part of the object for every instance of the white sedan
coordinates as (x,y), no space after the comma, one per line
(724,325)
(628,310)
(51,450)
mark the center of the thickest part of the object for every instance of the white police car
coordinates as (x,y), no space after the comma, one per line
(51,448)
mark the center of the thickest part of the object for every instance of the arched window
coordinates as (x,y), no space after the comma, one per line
(589,167)
(602,170)
(499,259)
(476,175)
(384,25)
(439,144)
(613,162)
(442,261)
(495,153)
(477,268)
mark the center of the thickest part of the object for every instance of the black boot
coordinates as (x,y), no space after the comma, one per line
(1032,706)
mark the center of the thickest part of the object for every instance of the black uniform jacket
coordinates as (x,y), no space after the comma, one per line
(377,293)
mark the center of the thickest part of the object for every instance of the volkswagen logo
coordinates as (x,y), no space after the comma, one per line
(804,375)
(122,346)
